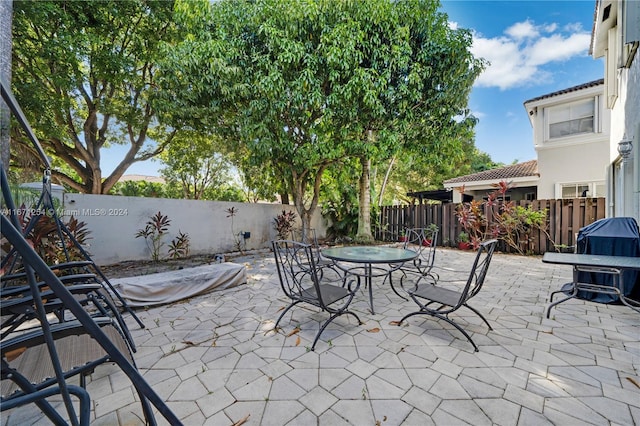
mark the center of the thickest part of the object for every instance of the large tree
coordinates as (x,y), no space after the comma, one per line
(85,73)
(405,88)
(302,85)
(257,77)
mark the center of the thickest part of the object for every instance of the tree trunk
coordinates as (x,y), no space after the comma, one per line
(306,221)
(386,179)
(304,213)
(298,192)
(6,14)
(364,213)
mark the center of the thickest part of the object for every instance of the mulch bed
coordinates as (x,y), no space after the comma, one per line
(133,268)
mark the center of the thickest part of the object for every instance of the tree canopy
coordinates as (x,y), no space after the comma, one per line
(194,164)
(86,75)
(302,85)
(290,91)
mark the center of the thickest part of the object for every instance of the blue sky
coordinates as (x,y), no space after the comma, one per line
(534,47)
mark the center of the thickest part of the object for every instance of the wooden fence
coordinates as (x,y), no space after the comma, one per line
(564,218)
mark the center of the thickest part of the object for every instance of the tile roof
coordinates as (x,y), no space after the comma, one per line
(526,169)
(568,90)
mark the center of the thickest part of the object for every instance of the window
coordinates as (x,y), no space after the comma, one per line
(574,190)
(501,199)
(582,190)
(530,196)
(571,119)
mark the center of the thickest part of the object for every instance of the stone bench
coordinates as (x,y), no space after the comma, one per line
(168,287)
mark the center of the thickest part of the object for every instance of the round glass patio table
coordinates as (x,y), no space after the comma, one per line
(368,256)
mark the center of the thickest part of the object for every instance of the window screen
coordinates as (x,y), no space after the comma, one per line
(571,119)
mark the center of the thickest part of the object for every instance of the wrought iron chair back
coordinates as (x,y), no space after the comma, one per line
(297,271)
(478,270)
(309,236)
(424,242)
(299,280)
(447,300)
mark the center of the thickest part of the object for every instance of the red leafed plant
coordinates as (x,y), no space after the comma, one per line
(153,233)
(284,223)
(503,220)
(44,237)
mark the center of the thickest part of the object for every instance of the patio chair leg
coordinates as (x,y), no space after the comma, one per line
(480,315)
(574,293)
(30,391)
(334,316)
(393,287)
(38,396)
(285,312)
(442,317)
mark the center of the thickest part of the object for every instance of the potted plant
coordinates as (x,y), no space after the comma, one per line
(429,231)
(403,237)
(463,241)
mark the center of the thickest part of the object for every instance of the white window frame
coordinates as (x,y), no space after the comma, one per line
(549,112)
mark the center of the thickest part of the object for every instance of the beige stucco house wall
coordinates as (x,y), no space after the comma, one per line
(616,37)
(571,137)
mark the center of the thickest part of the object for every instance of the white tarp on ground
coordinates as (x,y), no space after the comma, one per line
(168,287)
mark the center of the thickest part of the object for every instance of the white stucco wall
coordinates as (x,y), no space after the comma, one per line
(115,220)
(615,31)
(632,105)
(585,162)
(625,120)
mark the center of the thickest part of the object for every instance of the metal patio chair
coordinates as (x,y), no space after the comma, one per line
(298,275)
(16,303)
(37,362)
(309,236)
(438,301)
(28,367)
(423,241)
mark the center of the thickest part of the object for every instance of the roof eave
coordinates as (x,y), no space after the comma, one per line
(489,182)
(602,25)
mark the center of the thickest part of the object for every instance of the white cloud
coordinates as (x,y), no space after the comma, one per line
(519,56)
(522,30)
(557,48)
(573,27)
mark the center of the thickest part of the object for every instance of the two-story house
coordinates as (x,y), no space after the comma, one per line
(571,138)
